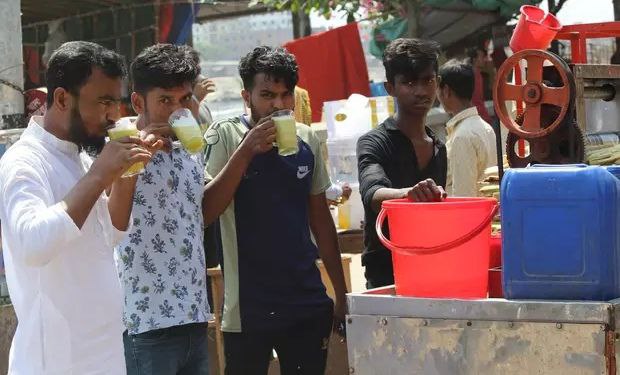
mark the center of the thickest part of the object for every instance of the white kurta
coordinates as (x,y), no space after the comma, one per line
(62,280)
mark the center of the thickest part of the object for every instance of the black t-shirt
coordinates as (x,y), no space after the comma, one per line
(387,159)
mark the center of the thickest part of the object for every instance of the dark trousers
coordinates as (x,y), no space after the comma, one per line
(378,270)
(301,348)
(179,350)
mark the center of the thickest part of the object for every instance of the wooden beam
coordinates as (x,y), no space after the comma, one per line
(64,16)
(209,12)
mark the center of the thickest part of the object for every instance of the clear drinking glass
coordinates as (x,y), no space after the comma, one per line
(286,132)
(187,130)
(126,128)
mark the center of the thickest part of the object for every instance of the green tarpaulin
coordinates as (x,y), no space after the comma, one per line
(386,32)
(395,28)
(506,8)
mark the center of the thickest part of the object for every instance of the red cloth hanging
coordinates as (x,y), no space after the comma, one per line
(32,65)
(478,96)
(166,17)
(332,66)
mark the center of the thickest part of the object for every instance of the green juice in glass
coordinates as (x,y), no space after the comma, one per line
(286,132)
(187,130)
(190,137)
(122,130)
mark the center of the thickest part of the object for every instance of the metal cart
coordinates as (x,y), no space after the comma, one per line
(388,334)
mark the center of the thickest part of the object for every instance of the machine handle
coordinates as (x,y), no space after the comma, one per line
(434,249)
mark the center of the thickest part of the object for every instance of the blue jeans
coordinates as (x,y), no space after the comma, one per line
(179,350)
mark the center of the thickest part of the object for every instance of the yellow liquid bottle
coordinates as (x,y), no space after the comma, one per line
(344,216)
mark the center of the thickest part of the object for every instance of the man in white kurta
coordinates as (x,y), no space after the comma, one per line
(59,226)
(61,278)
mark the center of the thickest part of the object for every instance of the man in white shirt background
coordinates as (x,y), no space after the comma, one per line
(470,140)
(59,226)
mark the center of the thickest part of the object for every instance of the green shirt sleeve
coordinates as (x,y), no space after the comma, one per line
(217,151)
(320,177)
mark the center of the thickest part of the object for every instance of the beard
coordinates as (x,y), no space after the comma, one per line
(92,144)
(254,113)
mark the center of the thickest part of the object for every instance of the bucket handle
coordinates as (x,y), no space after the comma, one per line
(434,249)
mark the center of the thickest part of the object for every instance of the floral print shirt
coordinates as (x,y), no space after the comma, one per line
(161,264)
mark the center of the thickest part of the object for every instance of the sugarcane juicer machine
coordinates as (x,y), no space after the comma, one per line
(561,106)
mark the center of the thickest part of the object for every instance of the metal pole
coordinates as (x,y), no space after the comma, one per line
(11,66)
(497,126)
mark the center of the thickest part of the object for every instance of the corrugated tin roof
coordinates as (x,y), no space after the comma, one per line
(35,11)
(46,10)
(451,24)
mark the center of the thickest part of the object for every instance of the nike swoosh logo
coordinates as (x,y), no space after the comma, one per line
(301,174)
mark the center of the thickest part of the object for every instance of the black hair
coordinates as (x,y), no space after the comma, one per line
(164,66)
(409,57)
(72,63)
(275,63)
(458,75)
(472,53)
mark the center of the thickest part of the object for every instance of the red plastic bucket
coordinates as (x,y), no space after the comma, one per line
(439,249)
(535,29)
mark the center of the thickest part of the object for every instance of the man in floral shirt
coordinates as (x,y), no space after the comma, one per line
(161,263)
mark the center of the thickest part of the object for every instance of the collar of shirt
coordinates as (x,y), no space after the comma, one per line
(246,121)
(35,130)
(390,124)
(464,114)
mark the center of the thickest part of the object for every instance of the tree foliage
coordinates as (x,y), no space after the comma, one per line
(371,8)
(383,9)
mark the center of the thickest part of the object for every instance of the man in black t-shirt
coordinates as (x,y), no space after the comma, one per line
(402,157)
